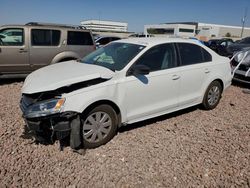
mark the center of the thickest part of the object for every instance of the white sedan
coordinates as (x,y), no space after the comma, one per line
(124,82)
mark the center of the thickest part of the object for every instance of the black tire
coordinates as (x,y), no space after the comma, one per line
(92,126)
(212,96)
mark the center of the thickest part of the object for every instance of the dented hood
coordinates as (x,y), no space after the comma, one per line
(63,74)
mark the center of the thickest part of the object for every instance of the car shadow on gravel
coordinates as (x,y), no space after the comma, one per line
(5,81)
(144,123)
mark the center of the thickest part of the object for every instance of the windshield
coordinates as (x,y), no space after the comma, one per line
(114,56)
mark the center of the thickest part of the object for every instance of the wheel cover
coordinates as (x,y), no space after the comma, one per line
(96,127)
(213,95)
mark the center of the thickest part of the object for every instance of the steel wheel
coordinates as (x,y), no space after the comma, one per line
(99,126)
(212,95)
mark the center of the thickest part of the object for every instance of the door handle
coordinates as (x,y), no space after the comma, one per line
(175,77)
(207,71)
(22,50)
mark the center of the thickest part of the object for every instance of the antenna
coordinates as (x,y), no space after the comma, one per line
(243,22)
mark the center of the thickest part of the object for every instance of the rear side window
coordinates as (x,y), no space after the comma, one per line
(193,54)
(45,37)
(206,56)
(79,38)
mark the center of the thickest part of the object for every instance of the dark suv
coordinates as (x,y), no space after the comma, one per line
(241,45)
(25,48)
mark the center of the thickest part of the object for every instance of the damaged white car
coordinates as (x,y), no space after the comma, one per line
(124,82)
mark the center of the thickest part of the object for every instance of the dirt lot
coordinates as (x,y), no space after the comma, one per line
(192,148)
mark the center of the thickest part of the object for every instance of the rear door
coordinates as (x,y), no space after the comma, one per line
(14,50)
(45,44)
(195,63)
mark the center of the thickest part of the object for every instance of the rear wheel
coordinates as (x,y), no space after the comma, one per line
(99,126)
(212,96)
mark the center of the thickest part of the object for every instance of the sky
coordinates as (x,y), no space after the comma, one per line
(136,13)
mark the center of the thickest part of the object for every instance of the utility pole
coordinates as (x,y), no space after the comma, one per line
(243,22)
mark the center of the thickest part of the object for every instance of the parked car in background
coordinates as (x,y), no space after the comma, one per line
(241,67)
(200,41)
(220,45)
(103,40)
(241,45)
(140,35)
(25,48)
(126,81)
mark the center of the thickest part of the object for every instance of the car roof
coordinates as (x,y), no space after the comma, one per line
(151,41)
(48,25)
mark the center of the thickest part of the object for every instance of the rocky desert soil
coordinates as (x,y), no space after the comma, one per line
(191,148)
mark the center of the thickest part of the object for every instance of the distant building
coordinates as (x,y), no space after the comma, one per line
(215,30)
(204,31)
(105,26)
(175,29)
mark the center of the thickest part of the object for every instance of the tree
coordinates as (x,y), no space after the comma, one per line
(228,34)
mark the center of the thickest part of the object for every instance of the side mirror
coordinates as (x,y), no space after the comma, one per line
(139,70)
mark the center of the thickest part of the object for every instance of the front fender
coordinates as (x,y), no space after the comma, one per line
(81,100)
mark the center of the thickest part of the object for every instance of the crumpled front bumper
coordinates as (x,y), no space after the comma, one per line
(63,126)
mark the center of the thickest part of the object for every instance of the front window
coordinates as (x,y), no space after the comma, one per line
(114,56)
(11,37)
(159,57)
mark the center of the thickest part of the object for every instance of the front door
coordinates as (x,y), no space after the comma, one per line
(14,51)
(156,93)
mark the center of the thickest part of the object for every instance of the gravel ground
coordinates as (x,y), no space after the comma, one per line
(191,148)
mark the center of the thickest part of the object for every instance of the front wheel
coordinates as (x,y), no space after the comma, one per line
(99,126)
(212,96)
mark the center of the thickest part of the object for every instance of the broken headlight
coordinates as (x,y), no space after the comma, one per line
(45,108)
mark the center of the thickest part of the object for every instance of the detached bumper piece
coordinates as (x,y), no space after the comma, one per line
(63,127)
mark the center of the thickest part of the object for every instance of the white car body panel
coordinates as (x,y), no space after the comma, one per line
(141,98)
(155,94)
